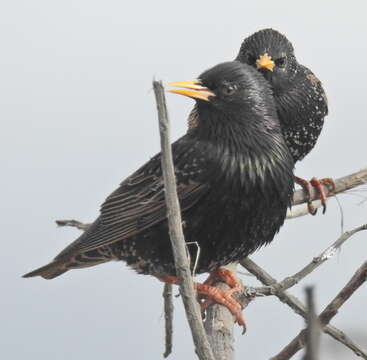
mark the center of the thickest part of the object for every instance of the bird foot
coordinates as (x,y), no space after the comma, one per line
(213,294)
(318,185)
(223,297)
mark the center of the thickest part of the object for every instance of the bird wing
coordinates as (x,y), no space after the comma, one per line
(139,202)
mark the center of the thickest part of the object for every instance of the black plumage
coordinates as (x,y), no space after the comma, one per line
(235,182)
(299,96)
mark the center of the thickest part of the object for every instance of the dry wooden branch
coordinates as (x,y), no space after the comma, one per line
(313,328)
(273,288)
(329,312)
(223,329)
(298,307)
(327,254)
(168,318)
(182,265)
(341,185)
(219,323)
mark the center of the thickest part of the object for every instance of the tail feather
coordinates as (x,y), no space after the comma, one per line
(48,271)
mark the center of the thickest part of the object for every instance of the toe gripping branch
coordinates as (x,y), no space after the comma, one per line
(318,184)
(209,293)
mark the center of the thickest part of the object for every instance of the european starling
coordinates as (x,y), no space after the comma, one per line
(235,182)
(299,96)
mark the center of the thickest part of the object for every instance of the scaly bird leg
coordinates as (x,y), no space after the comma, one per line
(318,185)
(223,297)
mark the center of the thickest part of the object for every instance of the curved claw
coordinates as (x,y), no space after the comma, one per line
(223,297)
(318,185)
(220,296)
(213,294)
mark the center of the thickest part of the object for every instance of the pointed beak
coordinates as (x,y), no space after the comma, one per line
(265,62)
(192,89)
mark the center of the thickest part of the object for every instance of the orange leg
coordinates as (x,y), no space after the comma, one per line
(318,185)
(224,275)
(220,296)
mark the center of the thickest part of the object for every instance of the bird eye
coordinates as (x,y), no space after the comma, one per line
(281,62)
(229,89)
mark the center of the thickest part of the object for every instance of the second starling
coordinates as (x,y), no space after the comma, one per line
(299,96)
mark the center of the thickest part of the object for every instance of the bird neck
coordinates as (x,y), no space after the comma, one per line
(238,131)
(251,155)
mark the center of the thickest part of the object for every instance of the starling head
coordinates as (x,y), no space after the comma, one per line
(230,88)
(272,54)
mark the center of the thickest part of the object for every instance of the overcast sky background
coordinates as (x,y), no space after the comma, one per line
(78,116)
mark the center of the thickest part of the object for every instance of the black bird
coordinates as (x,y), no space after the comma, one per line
(299,96)
(235,182)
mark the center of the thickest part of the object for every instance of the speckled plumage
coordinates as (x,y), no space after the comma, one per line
(299,96)
(234,179)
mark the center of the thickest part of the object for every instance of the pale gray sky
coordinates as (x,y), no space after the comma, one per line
(78,115)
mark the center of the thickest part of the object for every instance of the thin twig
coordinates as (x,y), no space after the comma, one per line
(329,312)
(313,327)
(294,303)
(251,292)
(176,234)
(219,323)
(328,253)
(168,318)
(302,209)
(341,185)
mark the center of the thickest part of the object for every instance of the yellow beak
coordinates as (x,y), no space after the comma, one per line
(194,89)
(265,62)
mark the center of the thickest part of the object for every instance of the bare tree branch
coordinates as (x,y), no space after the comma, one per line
(294,303)
(219,323)
(168,318)
(278,288)
(329,312)
(176,234)
(313,328)
(328,253)
(341,185)
(273,288)
(301,210)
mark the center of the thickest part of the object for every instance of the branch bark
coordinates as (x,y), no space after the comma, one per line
(327,254)
(224,327)
(182,265)
(219,323)
(313,328)
(298,307)
(329,312)
(341,185)
(168,318)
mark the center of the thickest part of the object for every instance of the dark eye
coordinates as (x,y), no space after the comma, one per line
(281,62)
(229,89)
(251,60)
